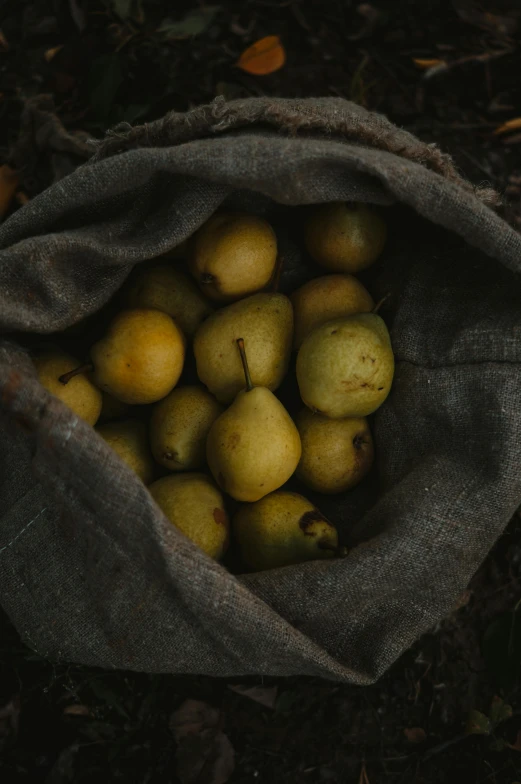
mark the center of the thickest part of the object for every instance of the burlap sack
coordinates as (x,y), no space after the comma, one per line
(90,571)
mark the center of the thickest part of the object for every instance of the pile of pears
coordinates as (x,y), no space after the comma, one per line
(226,446)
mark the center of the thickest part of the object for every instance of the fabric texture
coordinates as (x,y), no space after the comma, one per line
(90,570)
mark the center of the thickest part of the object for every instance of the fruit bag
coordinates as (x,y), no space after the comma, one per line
(89,573)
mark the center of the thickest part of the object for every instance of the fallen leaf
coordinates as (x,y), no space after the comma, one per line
(364,778)
(509,125)
(10,718)
(264,696)
(129,9)
(263,57)
(8,184)
(516,745)
(478,724)
(194,23)
(415,734)
(471,12)
(192,717)
(4,46)
(78,15)
(204,753)
(426,64)
(371,17)
(76,710)
(499,711)
(21,198)
(515,139)
(50,54)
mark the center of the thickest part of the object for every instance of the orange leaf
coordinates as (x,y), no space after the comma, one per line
(415,734)
(21,198)
(4,45)
(426,64)
(50,54)
(263,57)
(8,185)
(510,125)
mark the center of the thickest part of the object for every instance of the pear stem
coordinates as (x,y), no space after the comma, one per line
(242,350)
(88,367)
(380,303)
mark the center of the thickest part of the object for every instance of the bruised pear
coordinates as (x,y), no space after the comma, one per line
(282,529)
(345,367)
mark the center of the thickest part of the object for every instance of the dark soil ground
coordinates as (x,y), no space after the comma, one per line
(450,708)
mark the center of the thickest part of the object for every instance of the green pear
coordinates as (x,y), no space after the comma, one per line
(80,395)
(282,529)
(128,438)
(179,426)
(345,367)
(266,322)
(336,453)
(254,447)
(140,358)
(233,255)
(196,507)
(163,287)
(326,298)
(345,236)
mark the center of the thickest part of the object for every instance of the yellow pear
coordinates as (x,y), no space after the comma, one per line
(282,529)
(345,367)
(179,427)
(163,287)
(112,408)
(336,453)
(326,298)
(194,505)
(254,447)
(140,358)
(233,255)
(128,438)
(266,322)
(345,236)
(80,395)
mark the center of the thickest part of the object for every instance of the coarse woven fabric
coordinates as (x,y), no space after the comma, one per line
(90,570)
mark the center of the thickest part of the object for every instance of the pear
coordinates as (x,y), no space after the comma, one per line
(129,440)
(179,427)
(266,320)
(345,236)
(112,408)
(282,529)
(163,287)
(254,447)
(233,255)
(140,358)
(326,298)
(80,395)
(194,505)
(336,453)
(345,367)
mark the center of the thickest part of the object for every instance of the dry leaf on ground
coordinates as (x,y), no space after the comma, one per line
(265,696)
(76,710)
(263,57)
(415,734)
(425,64)
(509,125)
(204,753)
